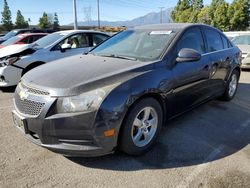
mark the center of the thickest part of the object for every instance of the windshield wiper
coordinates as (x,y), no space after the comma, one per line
(119,56)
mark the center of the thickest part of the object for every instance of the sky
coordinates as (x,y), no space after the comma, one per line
(110,10)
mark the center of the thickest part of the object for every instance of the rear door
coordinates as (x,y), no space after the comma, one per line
(220,58)
(191,78)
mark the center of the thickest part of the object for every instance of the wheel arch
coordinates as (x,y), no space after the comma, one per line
(157,96)
(32,66)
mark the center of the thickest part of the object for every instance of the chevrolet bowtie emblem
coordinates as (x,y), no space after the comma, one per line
(23,95)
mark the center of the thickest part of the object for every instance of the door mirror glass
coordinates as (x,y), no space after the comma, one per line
(188,55)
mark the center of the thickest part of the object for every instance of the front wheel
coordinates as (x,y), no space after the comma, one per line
(232,86)
(141,127)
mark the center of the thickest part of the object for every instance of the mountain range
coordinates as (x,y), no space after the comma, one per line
(150,18)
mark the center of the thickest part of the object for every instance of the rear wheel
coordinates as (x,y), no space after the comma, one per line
(232,86)
(141,127)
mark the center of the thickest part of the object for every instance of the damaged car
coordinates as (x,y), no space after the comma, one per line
(120,94)
(16,60)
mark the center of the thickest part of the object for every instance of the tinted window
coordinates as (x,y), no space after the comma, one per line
(26,40)
(192,38)
(225,42)
(214,41)
(98,38)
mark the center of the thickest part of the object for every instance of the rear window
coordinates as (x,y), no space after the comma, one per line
(214,40)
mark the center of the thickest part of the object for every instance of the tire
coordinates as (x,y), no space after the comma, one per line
(139,130)
(232,86)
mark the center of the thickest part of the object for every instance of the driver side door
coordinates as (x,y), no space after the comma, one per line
(190,77)
(78,44)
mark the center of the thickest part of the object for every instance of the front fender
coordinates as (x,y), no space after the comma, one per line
(116,105)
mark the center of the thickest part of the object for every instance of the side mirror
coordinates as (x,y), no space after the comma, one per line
(65,47)
(188,55)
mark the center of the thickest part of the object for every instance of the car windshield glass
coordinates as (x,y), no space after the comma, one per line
(11,41)
(241,40)
(10,34)
(135,45)
(48,40)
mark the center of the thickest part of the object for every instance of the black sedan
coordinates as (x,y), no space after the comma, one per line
(120,94)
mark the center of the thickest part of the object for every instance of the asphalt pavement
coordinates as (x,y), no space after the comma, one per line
(206,147)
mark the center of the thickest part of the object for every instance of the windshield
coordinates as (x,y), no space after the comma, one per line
(48,40)
(242,40)
(12,40)
(10,34)
(137,45)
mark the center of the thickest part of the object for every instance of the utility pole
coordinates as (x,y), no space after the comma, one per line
(75,14)
(98,7)
(161,8)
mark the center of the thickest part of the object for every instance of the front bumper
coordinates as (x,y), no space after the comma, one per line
(10,76)
(71,134)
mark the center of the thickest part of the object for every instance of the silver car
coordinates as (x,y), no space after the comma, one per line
(15,60)
(243,42)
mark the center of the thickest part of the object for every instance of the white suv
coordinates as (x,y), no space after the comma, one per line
(16,60)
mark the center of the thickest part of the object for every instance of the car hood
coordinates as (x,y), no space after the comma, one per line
(80,73)
(13,49)
(244,48)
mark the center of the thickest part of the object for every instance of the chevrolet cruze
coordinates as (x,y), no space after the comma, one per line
(120,94)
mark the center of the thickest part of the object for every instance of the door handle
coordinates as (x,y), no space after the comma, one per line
(206,68)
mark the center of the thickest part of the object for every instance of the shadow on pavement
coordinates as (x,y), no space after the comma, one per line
(8,89)
(220,128)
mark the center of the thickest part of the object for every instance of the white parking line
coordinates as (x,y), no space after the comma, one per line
(188,180)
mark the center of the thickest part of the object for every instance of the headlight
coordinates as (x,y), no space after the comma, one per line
(85,102)
(8,61)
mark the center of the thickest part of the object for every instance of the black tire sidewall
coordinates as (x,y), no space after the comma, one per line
(126,143)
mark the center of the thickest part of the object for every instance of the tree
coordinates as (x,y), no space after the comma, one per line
(20,21)
(221,21)
(6,17)
(197,5)
(182,11)
(56,25)
(238,15)
(203,16)
(44,21)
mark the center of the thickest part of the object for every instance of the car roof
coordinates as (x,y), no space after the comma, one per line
(168,26)
(31,34)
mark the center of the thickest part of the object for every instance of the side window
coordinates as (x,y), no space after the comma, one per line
(225,42)
(36,37)
(193,39)
(25,40)
(98,38)
(76,41)
(213,40)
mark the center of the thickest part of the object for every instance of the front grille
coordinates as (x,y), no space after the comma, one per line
(33,90)
(29,107)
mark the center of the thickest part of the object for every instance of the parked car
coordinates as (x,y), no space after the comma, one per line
(23,39)
(243,42)
(22,31)
(16,60)
(124,90)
